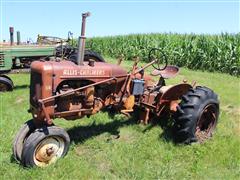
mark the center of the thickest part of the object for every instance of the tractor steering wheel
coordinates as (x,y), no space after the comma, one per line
(159,55)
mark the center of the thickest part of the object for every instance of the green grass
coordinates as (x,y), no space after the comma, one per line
(141,152)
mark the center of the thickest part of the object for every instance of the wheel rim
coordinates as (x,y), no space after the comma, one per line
(206,122)
(3,87)
(48,151)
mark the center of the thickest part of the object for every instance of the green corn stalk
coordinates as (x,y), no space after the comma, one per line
(219,53)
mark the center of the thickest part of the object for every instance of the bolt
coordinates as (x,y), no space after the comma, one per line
(49,151)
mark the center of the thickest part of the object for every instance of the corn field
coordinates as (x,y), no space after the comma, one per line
(219,53)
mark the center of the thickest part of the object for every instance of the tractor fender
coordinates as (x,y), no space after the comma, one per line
(170,96)
(174,92)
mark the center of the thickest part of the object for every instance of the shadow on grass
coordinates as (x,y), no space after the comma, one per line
(168,130)
(21,87)
(81,133)
(13,160)
(166,123)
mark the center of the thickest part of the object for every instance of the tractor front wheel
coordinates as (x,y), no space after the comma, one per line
(45,146)
(20,137)
(196,116)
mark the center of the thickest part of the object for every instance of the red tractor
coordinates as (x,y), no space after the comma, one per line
(63,89)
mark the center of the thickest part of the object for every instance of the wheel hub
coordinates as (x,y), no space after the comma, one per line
(3,87)
(206,123)
(48,151)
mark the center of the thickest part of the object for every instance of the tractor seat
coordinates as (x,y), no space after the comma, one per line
(169,72)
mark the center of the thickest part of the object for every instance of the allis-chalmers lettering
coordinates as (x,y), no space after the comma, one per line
(84,72)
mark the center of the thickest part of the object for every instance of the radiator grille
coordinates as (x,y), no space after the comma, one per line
(1,59)
(35,88)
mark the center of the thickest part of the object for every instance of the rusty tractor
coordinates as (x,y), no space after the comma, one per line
(63,89)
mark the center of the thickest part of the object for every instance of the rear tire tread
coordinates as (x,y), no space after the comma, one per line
(188,112)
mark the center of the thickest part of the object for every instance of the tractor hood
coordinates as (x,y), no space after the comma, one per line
(47,76)
(69,70)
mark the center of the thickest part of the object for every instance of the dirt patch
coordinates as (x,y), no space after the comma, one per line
(81,150)
(127,137)
(19,100)
(230,109)
(237,127)
(235,116)
(104,166)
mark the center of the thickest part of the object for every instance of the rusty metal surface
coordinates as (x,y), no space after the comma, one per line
(81,40)
(144,116)
(64,89)
(175,92)
(129,102)
(55,73)
(206,123)
(169,72)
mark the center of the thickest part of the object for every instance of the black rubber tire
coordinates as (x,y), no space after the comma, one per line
(189,111)
(88,55)
(7,82)
(20,137)
(3,75)
(36,137)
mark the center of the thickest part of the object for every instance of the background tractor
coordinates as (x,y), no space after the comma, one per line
(63,89)
(17,57)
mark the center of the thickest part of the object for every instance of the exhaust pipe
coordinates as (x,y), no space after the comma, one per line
(18,38)
(81,40)
(11,31)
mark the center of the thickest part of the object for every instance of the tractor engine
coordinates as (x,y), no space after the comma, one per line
(64,89)
(81,100)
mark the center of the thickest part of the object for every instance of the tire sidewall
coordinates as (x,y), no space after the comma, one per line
(7,81)
(36,137)
(20,137)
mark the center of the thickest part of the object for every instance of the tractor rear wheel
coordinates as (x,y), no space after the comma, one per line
(45,146)
(196,116)
(88,54)
(20,137)
(6,84)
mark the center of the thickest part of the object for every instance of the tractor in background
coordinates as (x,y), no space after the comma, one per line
(17,57)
